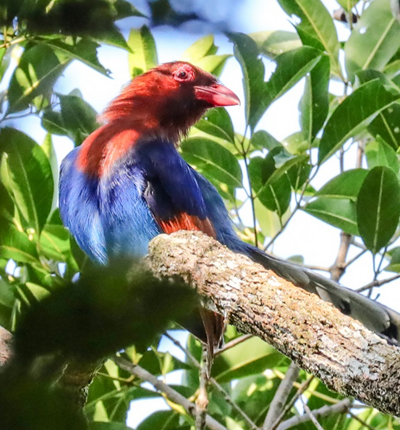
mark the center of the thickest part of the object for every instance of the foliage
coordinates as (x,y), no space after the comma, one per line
(38,258)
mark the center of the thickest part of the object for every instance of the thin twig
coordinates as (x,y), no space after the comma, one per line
(250,194)
(297,207)
(213,382)
(337,408)
(202,398)
(233,343)
(356,257)
(303,387)
(172,395)
(378,283)
(281,396)
(311,415)
(338,267)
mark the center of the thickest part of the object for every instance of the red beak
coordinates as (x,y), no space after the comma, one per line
(216,95)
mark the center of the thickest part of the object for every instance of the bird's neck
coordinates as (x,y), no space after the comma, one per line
(114,140)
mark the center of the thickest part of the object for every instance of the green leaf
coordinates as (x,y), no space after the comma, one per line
(5,58)
(143,55)
(269,221)
(248,358)
(200,49)
(337,212)
(213,64)
(247,54)
(162,420)
(76,119)
(386,125)
(29,174)
(344,186)
(316,27)
(290,68)
(374,40)
(217,123)
(213,160)
(394,265)
(314,105)
(379,153)
(114,38)
(16,245)
(347,4)
(299,173)
(85,51)
(54,242)
(7,300)
(108,426)
(297,144)
(261,139)
(53,123)
(356,111)
(124,9)
(276,42)
(273,192)
(273,187)
(378,208)
(35,75)
(48,149)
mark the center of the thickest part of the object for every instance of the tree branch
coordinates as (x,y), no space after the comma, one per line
(173,395)
(281,396)
(345,355)
(337,408)
(5,345)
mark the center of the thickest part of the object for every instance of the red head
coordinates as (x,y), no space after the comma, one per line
(162,103)
(168,99)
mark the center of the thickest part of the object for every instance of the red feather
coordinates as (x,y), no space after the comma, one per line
(183,221)
(104,147)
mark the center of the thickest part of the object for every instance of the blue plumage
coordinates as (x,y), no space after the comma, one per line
(115,215)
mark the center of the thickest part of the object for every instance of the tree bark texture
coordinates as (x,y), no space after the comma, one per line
(345,355)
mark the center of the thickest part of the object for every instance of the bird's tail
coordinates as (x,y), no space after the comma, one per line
(372,314)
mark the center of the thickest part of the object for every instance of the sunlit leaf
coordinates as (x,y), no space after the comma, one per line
(143,55)
(200,49)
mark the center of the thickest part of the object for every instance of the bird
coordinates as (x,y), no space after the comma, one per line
(128,183)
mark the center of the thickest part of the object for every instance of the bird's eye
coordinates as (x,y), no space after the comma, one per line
(184,73)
